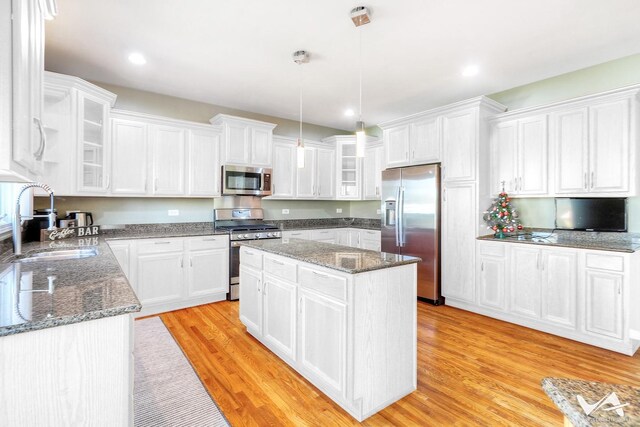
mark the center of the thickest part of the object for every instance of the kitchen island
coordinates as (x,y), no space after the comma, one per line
(344,318)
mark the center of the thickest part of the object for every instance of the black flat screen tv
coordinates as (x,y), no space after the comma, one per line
(591,214)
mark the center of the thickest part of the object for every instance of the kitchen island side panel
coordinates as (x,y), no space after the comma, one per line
(385,322)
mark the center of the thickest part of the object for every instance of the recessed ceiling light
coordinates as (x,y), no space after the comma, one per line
(137,58)
(349,112)
(470,70)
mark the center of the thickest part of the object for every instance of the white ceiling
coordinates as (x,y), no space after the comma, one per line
(238,53)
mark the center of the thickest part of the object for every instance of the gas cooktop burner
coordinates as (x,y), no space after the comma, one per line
(239,226)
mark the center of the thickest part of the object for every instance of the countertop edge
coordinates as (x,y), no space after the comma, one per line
(69,320)
(490,238)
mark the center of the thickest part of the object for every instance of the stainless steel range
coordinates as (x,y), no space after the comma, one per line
(242,224)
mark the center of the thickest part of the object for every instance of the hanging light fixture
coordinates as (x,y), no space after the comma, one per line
(300,57)
(360,16)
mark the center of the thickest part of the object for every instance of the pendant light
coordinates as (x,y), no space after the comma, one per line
(300,57)
(360,16)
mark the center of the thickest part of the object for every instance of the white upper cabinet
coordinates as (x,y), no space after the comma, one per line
(571,152)
(23,141)
(609,146)
(425,141)
(244,141)
(519,156)
(348,168)
(283,177)
(316,180)
(396,146)
(372,172)
(412,141)
(129,157)
(593,153)
(168,160)
(459,138)
(203,162)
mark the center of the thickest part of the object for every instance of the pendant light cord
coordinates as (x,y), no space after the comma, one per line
(299,65)
(360,66)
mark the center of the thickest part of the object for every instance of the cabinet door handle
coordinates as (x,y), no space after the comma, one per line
(273,189)
(275,261)
(190,262)
(300,305)
(318,189)
(444,172)
(162,243)
(108,182)
(210,240)
(182,262)
(377,190)
(43,140)
(444,194)
(264,289)
(258,283)
(324,275)
(413,154)
(593,179)
(482,266)
(585,180)
(155,184)
(248,252)
(619,289)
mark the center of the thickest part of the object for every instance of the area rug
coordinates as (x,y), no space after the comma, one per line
(167,391)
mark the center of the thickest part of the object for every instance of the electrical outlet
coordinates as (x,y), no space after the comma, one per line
(173,212)
(379,211)
(338,210)
(285,211)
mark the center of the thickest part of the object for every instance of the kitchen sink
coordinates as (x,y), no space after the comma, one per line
(59,255)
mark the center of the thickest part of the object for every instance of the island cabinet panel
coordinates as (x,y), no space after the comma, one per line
(251,299)
(36,368)
(353,336)
(323,340)
(280,315)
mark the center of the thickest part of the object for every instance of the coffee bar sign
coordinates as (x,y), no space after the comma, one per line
(66,233)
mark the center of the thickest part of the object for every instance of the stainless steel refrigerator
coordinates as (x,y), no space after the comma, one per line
(411,222)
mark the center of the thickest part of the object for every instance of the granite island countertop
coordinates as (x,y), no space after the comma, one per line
(336,257)
(564,393)
(600,241)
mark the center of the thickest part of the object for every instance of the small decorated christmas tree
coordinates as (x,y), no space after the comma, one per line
(501,217)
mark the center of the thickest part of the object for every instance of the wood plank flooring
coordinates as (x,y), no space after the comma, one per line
(472,370)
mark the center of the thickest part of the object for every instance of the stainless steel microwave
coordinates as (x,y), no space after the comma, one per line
(245,181)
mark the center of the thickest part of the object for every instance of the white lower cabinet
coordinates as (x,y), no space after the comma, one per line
(336,329)
(279,327)
(603,304)
(173,273)
(575,293)
(323,332)
(251,298)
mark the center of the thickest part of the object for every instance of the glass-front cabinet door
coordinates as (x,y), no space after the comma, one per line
(93,176)
(348,171)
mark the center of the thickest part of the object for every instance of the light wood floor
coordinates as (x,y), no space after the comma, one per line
(472,370)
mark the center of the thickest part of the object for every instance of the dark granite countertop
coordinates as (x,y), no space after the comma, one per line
(150,231)
(564,393)
(310,224)
(336,257)
(600,241)
(82,289)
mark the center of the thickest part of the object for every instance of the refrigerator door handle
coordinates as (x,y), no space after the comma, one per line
(401,215)
(397,224)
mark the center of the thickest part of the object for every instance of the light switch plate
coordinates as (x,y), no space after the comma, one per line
(338,210)
(173,212)
(285,211)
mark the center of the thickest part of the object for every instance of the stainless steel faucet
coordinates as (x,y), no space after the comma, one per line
(17,219)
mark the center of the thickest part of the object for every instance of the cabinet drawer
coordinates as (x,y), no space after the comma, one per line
(323,234)
(324,283)
(370,234)
(605,262)
(207,242)
(150,246)
(295,234)
(251,258)
(492,249)
(280,267)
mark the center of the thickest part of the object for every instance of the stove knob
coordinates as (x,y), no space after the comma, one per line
(269,234)
(242,236)
(259,236)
